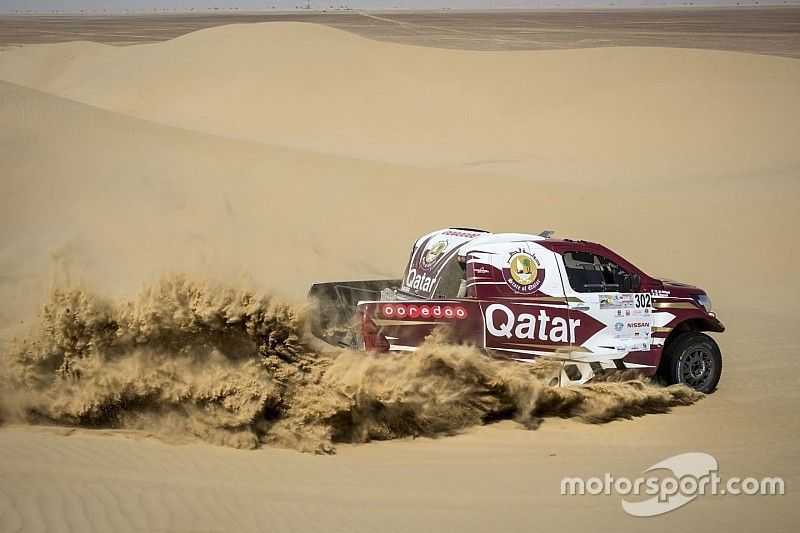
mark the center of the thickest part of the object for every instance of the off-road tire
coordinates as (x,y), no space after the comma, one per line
(693,359)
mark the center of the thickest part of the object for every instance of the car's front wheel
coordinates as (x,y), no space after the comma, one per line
(693,359)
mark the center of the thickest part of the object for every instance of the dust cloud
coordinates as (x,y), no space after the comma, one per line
(193,360)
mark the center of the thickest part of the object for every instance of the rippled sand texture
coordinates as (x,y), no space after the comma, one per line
(268,156)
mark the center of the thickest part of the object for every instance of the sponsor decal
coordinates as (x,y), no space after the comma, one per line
(517,326)
(501,321)
(629,346)
(415,311)
(631,312)
(524,273)
(462,234)
(632,334)
(481,270)
(625,301)
(658,293)
(433,253)
(420,281)
(616,301)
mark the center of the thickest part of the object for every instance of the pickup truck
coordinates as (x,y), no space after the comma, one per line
(523,296)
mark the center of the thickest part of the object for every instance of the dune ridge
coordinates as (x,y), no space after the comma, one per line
(117,201)
(675,114)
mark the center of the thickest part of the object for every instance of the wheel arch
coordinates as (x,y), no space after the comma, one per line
(689,325)
(696,324)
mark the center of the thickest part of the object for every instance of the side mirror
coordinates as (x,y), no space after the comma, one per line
(632,283)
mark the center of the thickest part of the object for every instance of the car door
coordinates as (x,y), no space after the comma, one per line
(525,310)
(595,287)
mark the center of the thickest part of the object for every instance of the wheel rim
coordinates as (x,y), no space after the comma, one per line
(696,367)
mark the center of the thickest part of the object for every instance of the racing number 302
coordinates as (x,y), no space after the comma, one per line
(643,300)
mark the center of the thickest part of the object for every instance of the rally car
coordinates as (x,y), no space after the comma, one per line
(523,297)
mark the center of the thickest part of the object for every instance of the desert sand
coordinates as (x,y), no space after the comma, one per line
(770,29)
(275,155)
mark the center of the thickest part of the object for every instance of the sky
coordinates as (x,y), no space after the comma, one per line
(263,5)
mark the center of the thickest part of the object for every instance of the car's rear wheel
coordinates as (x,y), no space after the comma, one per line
(692,359)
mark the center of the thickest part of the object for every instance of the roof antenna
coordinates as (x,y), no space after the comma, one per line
(547,233)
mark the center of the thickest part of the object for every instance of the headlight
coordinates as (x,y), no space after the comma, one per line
(704,301)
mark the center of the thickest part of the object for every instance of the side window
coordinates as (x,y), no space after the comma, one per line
(452,281)
(593,273)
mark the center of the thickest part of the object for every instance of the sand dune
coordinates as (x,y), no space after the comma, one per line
(272,156)
(119,201)
(569,115)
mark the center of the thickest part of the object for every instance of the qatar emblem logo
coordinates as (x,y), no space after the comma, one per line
(524,273)
(432,254)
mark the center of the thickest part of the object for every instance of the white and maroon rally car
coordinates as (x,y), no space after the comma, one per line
(526,296)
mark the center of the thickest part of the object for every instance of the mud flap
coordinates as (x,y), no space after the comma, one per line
(334,305)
